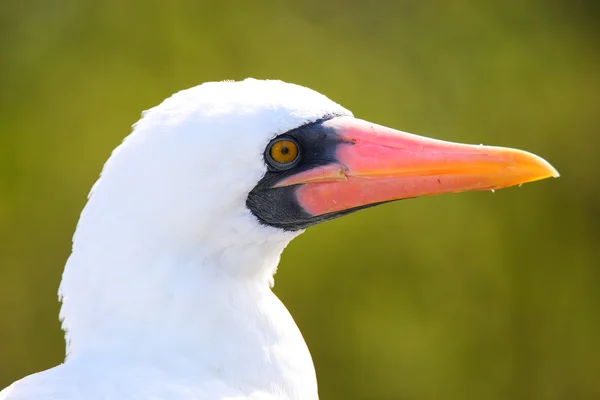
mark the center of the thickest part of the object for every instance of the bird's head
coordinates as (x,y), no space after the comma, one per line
(258,161)
(217,179)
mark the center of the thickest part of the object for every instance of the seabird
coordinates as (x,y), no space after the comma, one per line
(167,292)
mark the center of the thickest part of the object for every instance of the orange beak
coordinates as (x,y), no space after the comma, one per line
(375,164)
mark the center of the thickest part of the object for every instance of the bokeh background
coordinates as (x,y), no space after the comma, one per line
(470,296)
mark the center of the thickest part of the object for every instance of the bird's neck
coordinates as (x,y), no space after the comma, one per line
(187,308)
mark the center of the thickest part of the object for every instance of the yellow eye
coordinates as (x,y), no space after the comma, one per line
(284,151)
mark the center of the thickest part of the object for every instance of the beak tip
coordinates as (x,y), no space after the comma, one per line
(537,166)
(551,171)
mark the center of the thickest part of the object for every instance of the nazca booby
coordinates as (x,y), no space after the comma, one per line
(167,292)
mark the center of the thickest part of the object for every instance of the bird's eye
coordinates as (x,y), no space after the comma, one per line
(283,153)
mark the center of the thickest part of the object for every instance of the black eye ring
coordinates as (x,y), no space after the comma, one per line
(289,153)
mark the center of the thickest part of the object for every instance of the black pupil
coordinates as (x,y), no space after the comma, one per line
(285,150)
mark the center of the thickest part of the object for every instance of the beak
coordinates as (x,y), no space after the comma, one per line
(374,164)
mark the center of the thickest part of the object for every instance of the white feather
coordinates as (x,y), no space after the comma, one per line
(166,294)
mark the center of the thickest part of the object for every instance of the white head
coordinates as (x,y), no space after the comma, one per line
(176,188)
(193,197)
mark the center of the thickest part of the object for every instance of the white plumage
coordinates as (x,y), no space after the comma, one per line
(167,292)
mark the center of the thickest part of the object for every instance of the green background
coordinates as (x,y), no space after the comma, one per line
(470,296)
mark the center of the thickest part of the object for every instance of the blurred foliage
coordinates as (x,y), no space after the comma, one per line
(471,296)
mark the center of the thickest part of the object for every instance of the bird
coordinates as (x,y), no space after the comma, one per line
(167,293)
